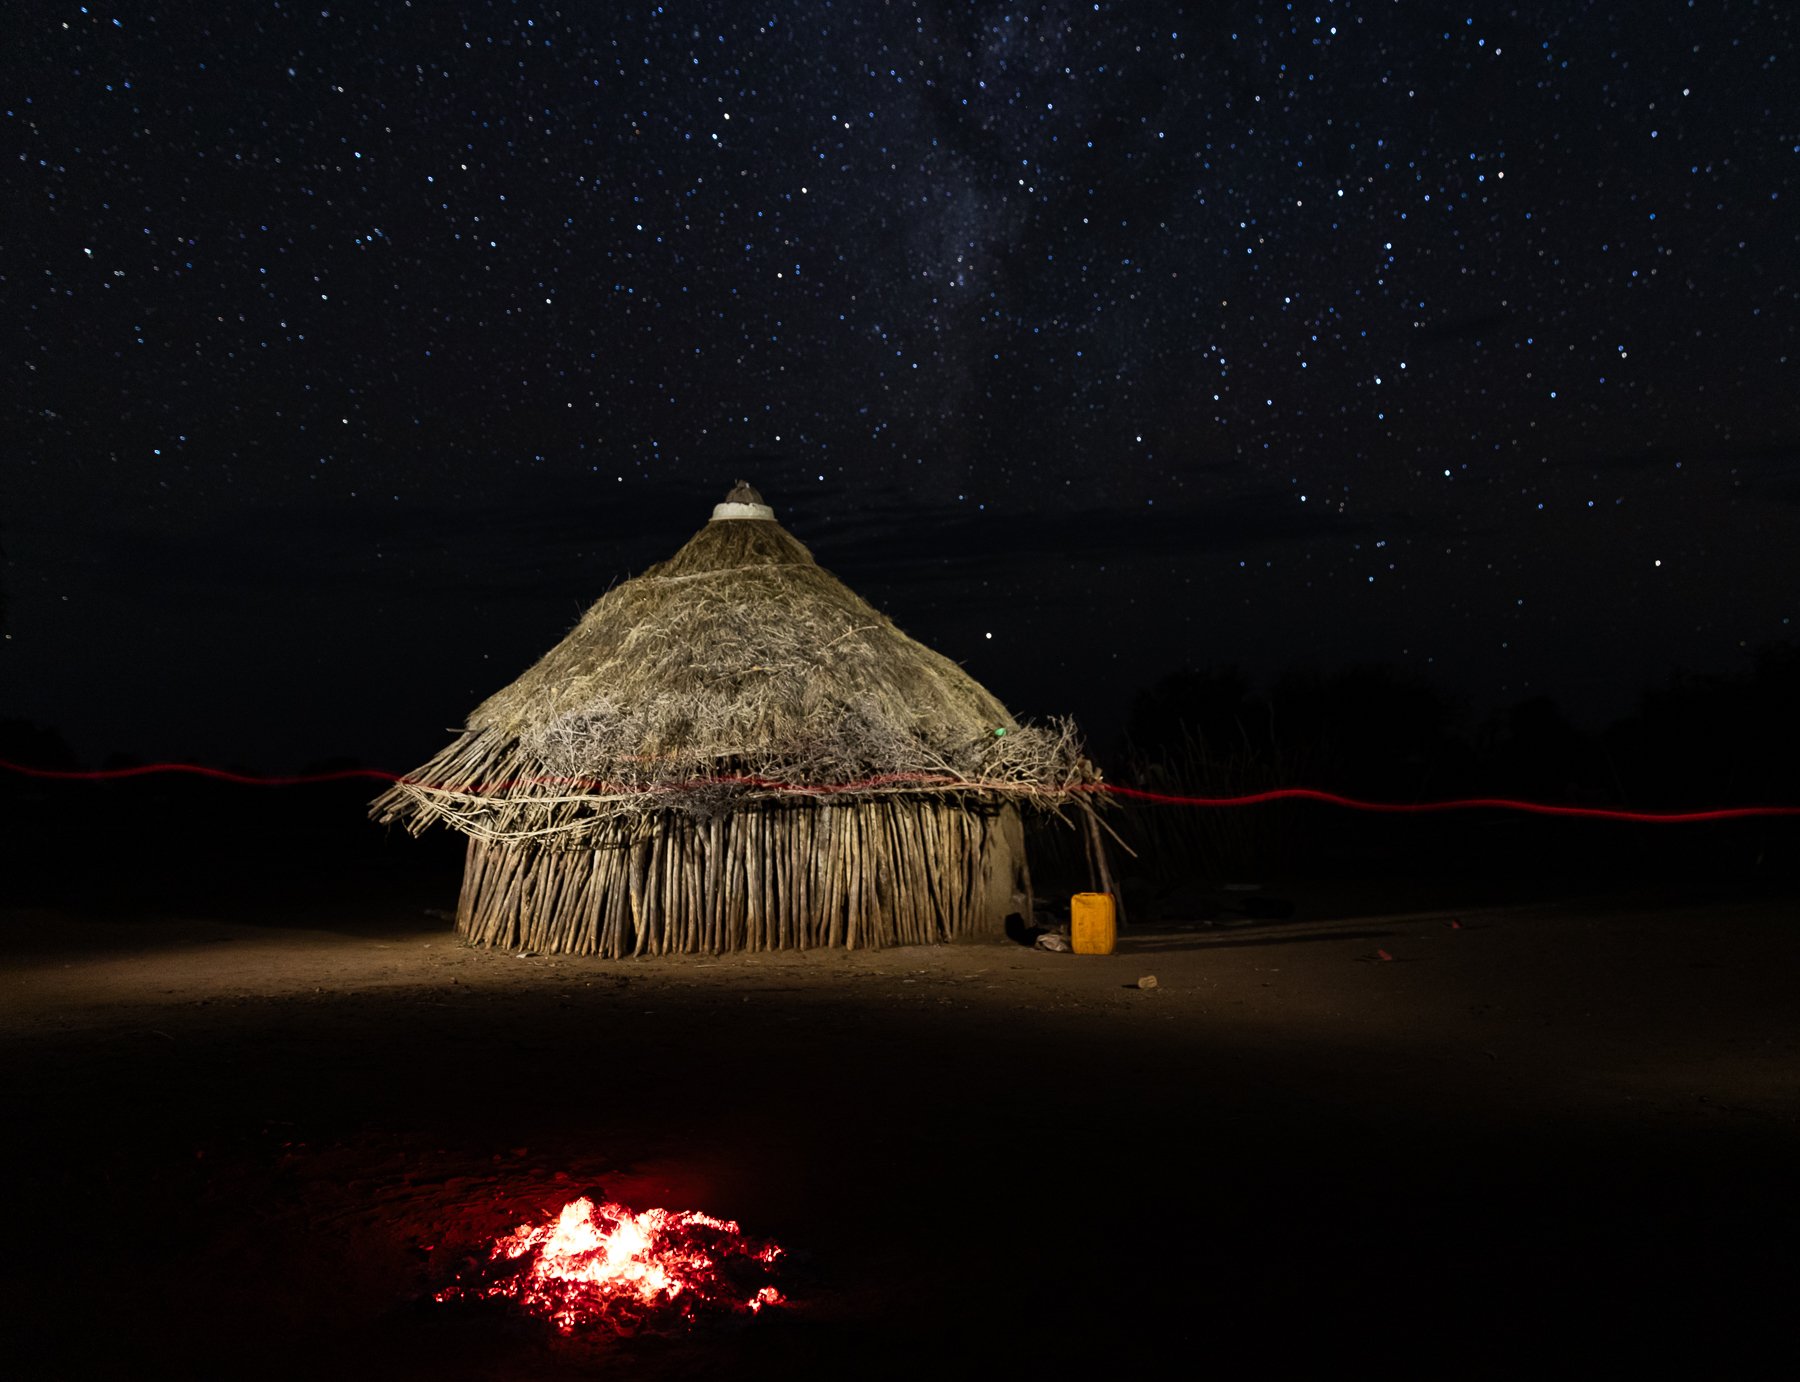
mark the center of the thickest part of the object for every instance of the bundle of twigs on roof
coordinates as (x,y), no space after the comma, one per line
(735,751)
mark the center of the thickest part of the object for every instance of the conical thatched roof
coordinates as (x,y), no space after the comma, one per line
(737,667)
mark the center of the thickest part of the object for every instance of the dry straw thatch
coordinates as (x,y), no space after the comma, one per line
(735,751)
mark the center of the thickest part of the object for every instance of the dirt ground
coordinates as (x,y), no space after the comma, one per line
(1553,1138)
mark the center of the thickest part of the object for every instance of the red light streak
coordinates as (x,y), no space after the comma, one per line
(1409,808)
(926,780)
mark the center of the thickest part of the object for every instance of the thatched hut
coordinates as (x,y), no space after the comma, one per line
(733,751)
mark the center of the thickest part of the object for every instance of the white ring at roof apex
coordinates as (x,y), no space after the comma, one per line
(729,510)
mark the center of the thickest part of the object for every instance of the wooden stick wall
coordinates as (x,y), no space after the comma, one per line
(768,877)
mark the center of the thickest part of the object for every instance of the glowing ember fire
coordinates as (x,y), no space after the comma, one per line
(603,1265)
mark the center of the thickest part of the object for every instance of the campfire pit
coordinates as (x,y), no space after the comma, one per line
(606,1267)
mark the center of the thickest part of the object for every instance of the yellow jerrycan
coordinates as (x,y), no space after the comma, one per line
(1092,926)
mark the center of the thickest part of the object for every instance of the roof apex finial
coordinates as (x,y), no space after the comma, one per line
(743,502)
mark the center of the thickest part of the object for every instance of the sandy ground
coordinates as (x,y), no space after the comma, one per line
(1551,1139)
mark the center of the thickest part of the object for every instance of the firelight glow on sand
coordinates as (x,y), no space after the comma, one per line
(605,1266)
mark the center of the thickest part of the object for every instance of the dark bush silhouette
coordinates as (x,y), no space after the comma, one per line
(34,745)
(1533,750)
(1381,734)
(1715,740)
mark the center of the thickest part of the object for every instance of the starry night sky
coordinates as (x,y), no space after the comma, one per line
(354,350)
